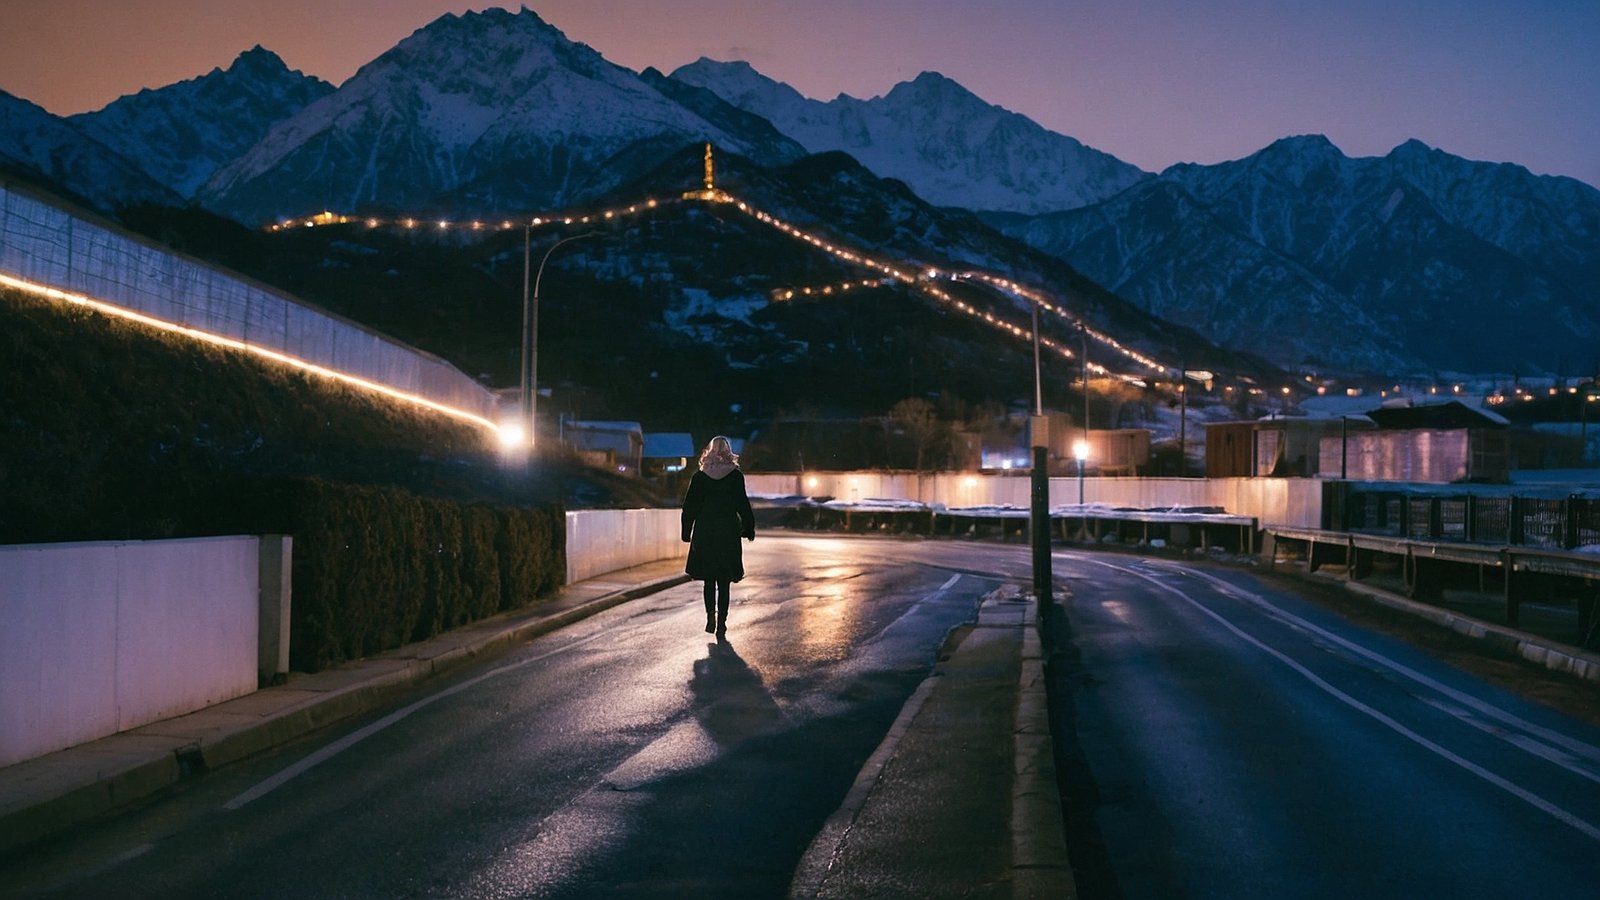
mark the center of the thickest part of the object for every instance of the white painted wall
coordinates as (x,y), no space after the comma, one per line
(104,637)
(1295,502)
(605,540)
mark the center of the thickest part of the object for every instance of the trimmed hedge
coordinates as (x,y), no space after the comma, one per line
(404,524)
(376,568)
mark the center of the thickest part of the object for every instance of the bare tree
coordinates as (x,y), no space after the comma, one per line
(917,419)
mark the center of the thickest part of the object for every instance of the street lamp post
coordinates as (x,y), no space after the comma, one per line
(1080,450)
(1083,358)
(1583,424)
(1039,482)
(530,329)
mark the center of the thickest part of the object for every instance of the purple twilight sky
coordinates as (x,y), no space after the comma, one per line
(1153,82)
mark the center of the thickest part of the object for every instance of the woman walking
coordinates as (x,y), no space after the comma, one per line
(716,513)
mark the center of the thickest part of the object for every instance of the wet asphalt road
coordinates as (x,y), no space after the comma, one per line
(1240,742)
(1219,737)
(628,755)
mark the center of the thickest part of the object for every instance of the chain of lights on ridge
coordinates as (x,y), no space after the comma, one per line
(923,280)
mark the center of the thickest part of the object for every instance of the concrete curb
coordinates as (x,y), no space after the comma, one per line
(1039,863)
(40,798)
(1537,650)
(817,862)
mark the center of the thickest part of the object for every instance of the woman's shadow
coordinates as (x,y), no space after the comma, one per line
(730,699)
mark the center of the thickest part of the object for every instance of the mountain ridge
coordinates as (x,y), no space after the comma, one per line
(1296,251)
(184,132)
(1373,234)
(951,146)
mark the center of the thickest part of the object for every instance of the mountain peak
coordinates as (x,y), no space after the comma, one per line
(931,78)
(259,56)
(1305,145)
(183,132)
(492,111)
(934,88)
(951,146)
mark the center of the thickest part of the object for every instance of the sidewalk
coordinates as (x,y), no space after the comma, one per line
(960,799)
(960,796)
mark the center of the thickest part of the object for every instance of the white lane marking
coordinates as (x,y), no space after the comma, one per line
(1587,829)
(355,737)
(938,592)
(1569,747)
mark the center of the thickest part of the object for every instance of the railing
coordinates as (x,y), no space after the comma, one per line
(1554,523)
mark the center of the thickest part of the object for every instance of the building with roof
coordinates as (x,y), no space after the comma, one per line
(666,453)
(618,446)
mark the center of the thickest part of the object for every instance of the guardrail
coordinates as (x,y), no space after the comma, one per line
(1560,523)
(1531,549)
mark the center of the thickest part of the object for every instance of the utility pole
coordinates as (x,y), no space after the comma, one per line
(1039,514)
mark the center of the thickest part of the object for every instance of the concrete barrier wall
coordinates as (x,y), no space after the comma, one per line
(1295,502)
(104,637)
(46,243)
(605,540)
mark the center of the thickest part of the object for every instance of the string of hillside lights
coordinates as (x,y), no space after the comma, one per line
(413,223)
(887,273)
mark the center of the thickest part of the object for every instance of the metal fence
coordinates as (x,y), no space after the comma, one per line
(1563,523)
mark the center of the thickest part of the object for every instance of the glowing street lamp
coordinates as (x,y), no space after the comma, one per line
(1080,451)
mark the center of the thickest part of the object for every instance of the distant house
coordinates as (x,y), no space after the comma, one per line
(1111,451)
(613,445)
(1281,447)
(1430,442)
(668,453)
(1118,451)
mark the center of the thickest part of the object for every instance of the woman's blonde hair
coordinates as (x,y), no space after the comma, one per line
(720,448)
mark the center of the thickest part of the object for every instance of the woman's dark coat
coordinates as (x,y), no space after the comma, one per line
(716,513)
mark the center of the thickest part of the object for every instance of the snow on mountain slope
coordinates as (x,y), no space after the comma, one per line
(950,146)
(1414,261)
(495,96)
(184,132)
(47,149)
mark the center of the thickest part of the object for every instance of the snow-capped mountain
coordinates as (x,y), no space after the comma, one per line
(182,133)
(47,149)
(1415,261)
(950,146)
(496,106)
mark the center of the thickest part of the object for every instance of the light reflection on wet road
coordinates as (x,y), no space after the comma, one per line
(628,754)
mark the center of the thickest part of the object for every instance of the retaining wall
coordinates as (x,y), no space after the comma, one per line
(45,242)
(104,637)
(605,540)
